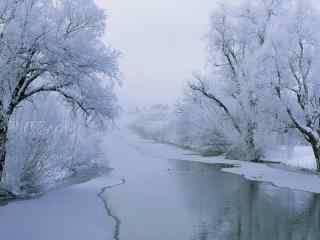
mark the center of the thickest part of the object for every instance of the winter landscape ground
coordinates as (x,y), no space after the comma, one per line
(84,211)
(160,120)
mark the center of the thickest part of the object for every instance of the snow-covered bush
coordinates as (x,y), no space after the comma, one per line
(46,146)
(155,123)
(186,125)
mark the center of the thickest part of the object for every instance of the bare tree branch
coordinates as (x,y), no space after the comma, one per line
(202,89)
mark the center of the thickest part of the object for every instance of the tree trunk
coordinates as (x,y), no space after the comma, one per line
(3,151)
(316,152)
(252,152)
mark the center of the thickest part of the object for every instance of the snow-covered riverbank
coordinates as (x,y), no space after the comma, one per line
(280,175)
(289,174)
(77,212)
(276,174)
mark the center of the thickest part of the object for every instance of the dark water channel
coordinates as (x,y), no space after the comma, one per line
(195,201)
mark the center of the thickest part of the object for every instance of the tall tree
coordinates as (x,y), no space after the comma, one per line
(54,47)
(294,67)
(234,84)
(264,57)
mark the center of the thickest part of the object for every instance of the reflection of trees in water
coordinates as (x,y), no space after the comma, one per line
(231,208)
(201,232)
(265,212)
(312,223)
(254,215)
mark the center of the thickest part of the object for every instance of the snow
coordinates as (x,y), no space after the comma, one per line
(77,212)
(281,177)
(296,156)
(74,212)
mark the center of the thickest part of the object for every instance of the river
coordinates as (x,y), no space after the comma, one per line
(166,199)
(153,194)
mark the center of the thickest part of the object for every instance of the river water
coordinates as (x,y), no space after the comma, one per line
(180,200)
(150,196)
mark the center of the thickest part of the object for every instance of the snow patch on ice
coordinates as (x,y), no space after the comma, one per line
(74,212)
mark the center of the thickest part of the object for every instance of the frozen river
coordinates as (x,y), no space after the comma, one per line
(164,198)
(152,195)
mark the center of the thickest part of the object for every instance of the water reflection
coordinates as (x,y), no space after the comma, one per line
(185,200)
(233,208)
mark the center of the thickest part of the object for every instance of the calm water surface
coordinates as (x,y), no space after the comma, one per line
(179,200)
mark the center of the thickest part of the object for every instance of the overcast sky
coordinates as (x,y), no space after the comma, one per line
(162,44)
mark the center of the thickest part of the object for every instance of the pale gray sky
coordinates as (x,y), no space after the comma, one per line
(162,43)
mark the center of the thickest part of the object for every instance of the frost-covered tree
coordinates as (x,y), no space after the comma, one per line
(200,125)
(235,81)
(263,75)
(294,63)
(54,47)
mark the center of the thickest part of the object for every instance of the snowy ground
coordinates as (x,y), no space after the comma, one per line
(77,212)
(296,156)
(74,212)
